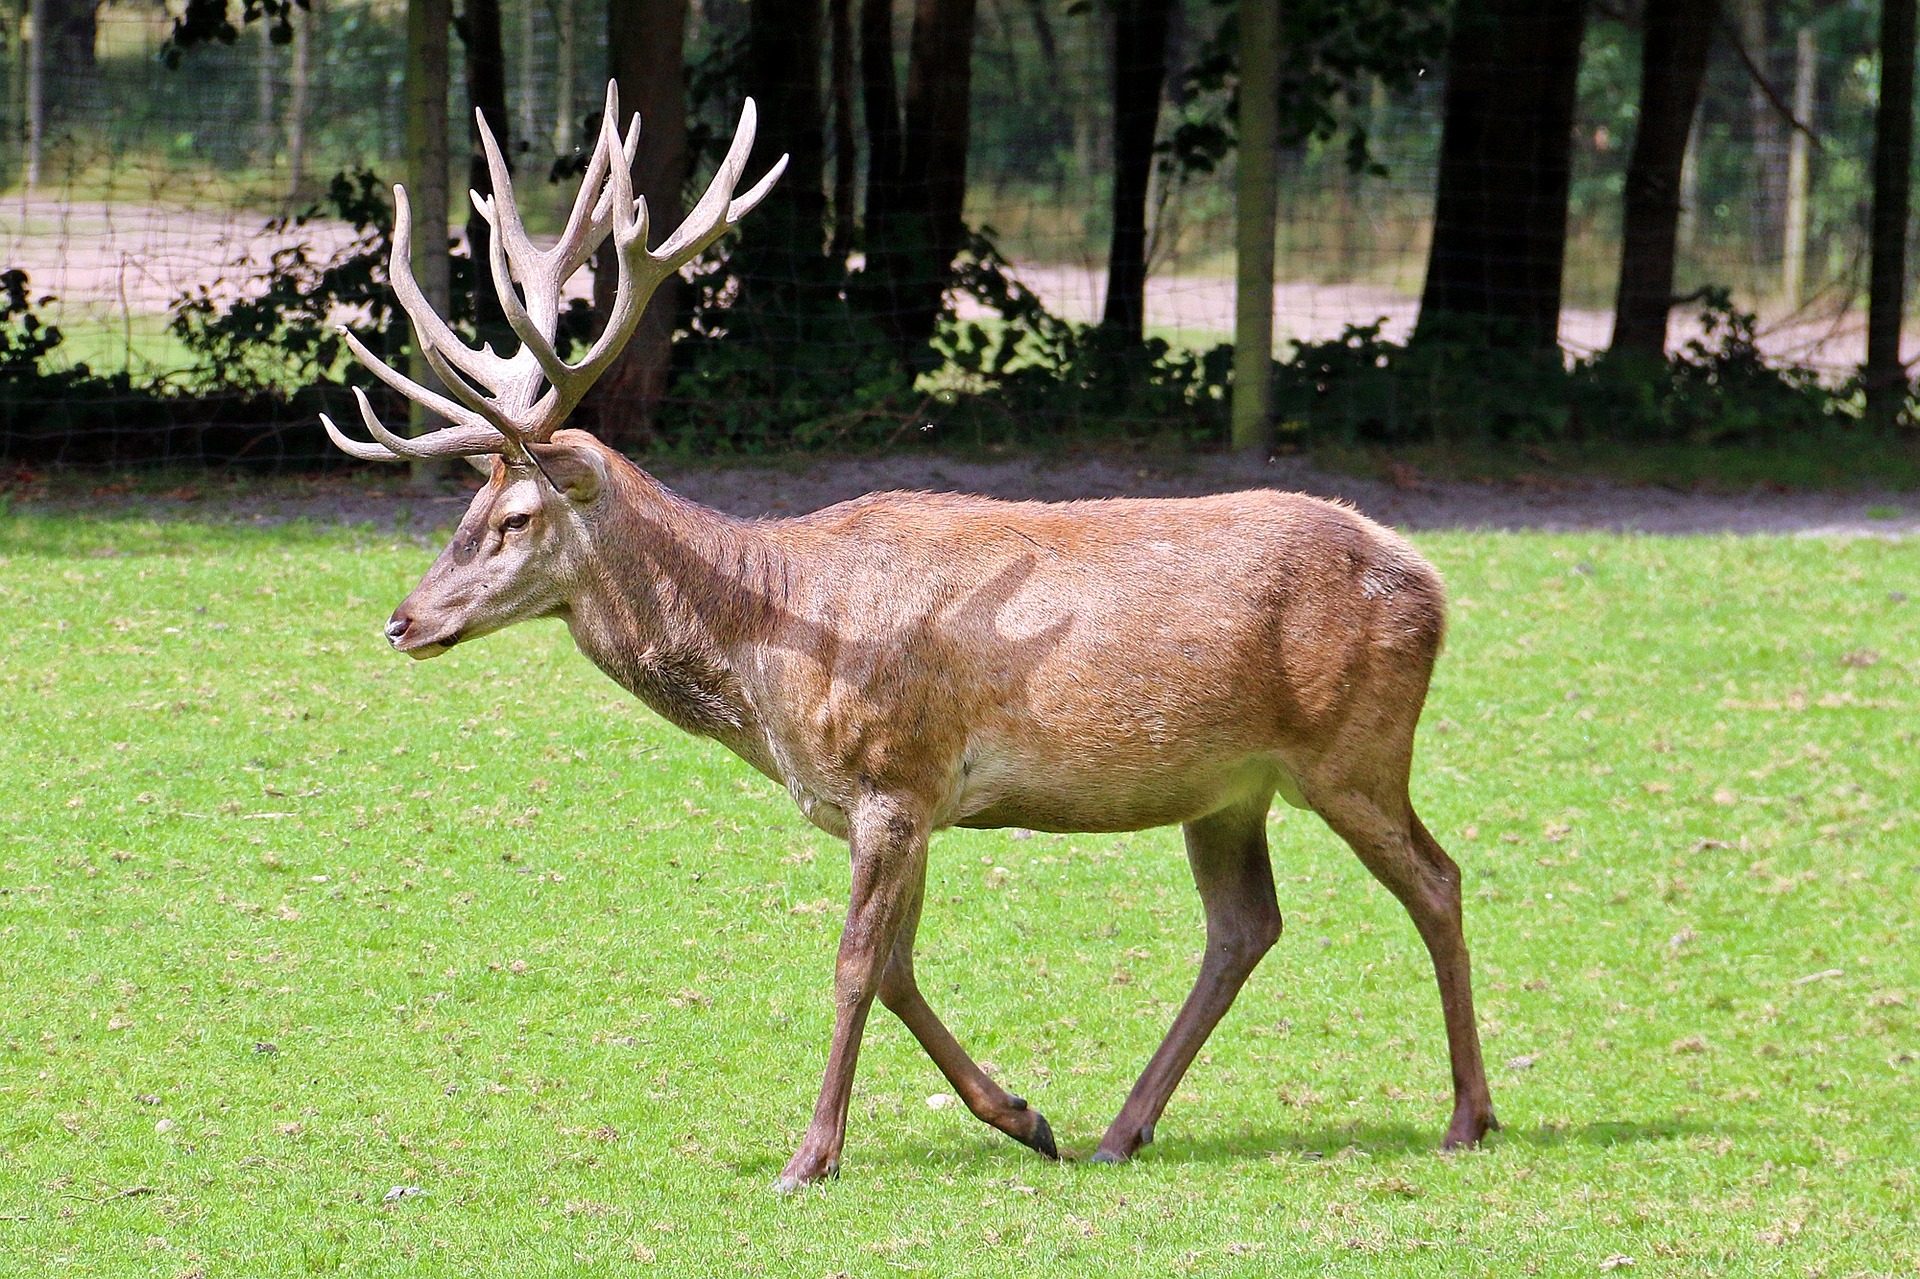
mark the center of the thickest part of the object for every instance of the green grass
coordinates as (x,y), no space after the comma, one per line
(286,922)
(140,344)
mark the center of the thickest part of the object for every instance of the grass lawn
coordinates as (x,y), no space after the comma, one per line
(287,922)
(141,345)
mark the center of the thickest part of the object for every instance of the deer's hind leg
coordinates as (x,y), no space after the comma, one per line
(990,1103)
(1376,818)
(1228,853)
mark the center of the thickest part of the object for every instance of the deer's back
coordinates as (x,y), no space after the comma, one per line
(1151,649)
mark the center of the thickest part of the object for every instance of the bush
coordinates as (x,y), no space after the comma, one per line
(1453,389)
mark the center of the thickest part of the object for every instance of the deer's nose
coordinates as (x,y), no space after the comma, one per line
(397,627)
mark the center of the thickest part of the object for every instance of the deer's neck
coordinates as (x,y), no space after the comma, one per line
(672,593)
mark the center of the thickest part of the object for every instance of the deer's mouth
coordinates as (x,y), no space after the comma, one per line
(421,650)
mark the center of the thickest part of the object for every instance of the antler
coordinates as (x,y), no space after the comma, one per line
(500,404)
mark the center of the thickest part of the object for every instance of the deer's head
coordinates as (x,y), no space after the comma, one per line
(528,534)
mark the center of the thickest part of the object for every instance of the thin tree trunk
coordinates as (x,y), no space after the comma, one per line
(526,104)
(1769,155)
(306,34)
(845,161)
(565,38)
(486,63)
(880,104)
(69,62)
(1673,65)
(783,75)
(646,56)
(1500,208)
(36,91)
(1884,374)
(264,93)
(1043,34)
(1793,251)
(1690,188)
(781,262)
(1256,206)
(934,163)
(1139,73)
(428,158)
(18,52)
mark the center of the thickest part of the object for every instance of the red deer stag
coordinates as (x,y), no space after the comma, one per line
(911,661)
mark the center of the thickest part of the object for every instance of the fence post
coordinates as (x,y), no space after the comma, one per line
(1256,194)
(1884,375)
(1793,256)
(428,70)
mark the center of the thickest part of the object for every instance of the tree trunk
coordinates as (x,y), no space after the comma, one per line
(69,66)
(307,32)
(1500,207)
(1885,376)
(486,95)
(526,103)
(1793,249)
(566,29)
(933,165)
(880,104)
(1769,153)
(428,75)
(1139,73)
(1673,64)
(783,246)
(266,92)
(36,91)
(845,161)
(1256,205)
(646,42)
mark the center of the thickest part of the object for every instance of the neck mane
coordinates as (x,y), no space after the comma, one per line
(672,593)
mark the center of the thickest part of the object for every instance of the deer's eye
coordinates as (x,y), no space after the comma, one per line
(514,523)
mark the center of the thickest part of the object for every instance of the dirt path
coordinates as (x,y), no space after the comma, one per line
(113,263)
(804,485)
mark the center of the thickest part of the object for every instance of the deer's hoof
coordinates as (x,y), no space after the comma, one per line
(803,1171)
(1465,1131)
(1041,1138)
(1108,1157)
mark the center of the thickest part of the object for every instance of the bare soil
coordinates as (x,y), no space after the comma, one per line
(793,486)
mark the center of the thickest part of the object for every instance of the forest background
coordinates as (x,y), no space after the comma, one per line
(1494,225)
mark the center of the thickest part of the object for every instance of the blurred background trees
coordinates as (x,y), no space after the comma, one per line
(1005,218)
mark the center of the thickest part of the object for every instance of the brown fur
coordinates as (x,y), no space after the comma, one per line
(910,661)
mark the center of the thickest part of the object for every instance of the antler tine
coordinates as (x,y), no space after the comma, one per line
(501,407)
(489,408)
(589,220)
(534,331)
(453,441)
(507,226)
(429,330)
(354,448)
(642,270)
(714,213)
(431,400)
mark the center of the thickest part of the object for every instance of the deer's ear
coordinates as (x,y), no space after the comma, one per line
(579,473)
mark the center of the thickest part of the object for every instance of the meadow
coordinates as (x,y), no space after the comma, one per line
(314,960)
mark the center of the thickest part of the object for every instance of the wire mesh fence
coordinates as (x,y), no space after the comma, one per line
(132,186)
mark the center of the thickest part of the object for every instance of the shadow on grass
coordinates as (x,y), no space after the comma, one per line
(991,1154)
(1392,1139)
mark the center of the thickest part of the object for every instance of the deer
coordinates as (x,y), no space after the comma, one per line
(909,662)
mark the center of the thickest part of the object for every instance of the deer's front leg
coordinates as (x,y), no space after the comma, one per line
(889,847)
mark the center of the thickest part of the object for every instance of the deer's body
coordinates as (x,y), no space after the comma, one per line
(987,657)
(907,662)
